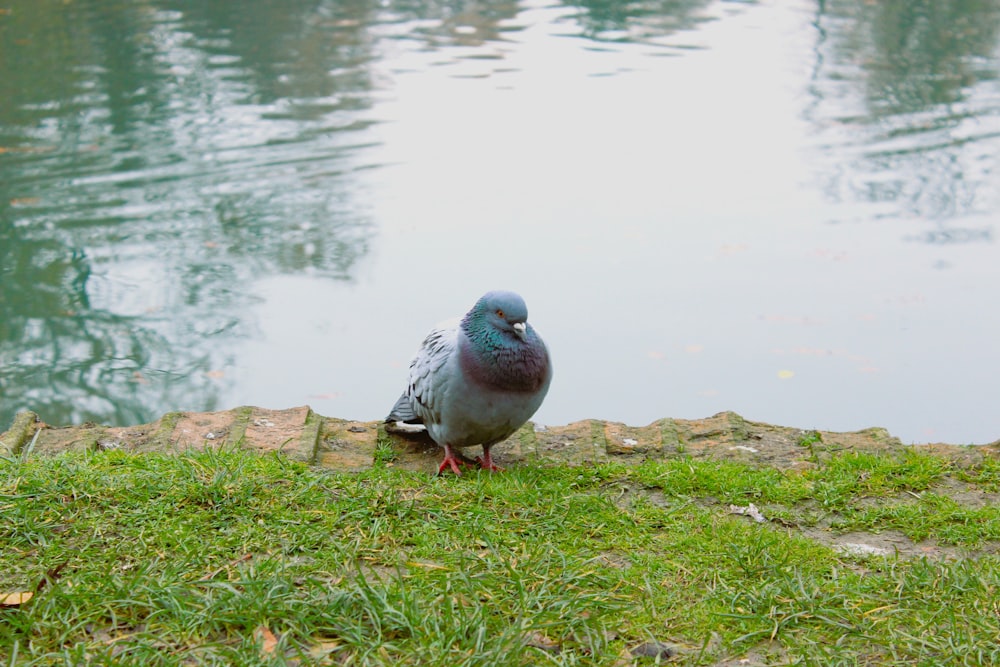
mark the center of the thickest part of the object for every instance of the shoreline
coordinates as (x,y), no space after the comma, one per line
(350,446)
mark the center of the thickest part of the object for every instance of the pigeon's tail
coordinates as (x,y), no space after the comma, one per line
(403,412)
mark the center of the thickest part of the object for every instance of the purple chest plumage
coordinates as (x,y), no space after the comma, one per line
(513,366)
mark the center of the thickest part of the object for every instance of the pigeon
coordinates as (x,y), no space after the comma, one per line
(477,380)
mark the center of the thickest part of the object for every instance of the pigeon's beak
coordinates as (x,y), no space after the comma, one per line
(520,328)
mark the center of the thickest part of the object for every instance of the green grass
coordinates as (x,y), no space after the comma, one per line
(231,558)
(986,475)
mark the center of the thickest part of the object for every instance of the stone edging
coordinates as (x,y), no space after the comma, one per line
(344,445)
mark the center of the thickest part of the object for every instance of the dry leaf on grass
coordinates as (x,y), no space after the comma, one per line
(15,599)
(323,649)
(750,511)
(268,642)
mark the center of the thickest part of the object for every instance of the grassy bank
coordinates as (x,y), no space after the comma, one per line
(232,558)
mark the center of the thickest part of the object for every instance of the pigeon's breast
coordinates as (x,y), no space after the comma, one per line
(518,369)
(489,396)
(477,414)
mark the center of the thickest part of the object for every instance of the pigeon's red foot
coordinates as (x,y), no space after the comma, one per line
(451,461)
(486,461)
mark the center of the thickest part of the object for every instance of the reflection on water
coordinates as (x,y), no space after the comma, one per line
(637,22)
(165,165)
(908,95)
(157,158)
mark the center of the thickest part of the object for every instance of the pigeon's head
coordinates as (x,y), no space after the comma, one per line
(505,311)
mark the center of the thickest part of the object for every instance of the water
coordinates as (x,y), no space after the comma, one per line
(784,209)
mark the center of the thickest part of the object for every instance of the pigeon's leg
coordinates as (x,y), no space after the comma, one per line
(486,461)
(449,461)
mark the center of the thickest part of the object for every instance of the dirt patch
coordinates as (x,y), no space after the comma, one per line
(888,543)
(885,543)
(966,494)
(765,654)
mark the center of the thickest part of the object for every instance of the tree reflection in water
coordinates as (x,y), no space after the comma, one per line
(157,158)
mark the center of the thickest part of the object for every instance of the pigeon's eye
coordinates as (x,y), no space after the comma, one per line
(500,313)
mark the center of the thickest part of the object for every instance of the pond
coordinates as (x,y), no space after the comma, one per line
(786,209)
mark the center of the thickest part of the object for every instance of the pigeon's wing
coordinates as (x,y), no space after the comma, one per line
(403,411)
(429,381)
